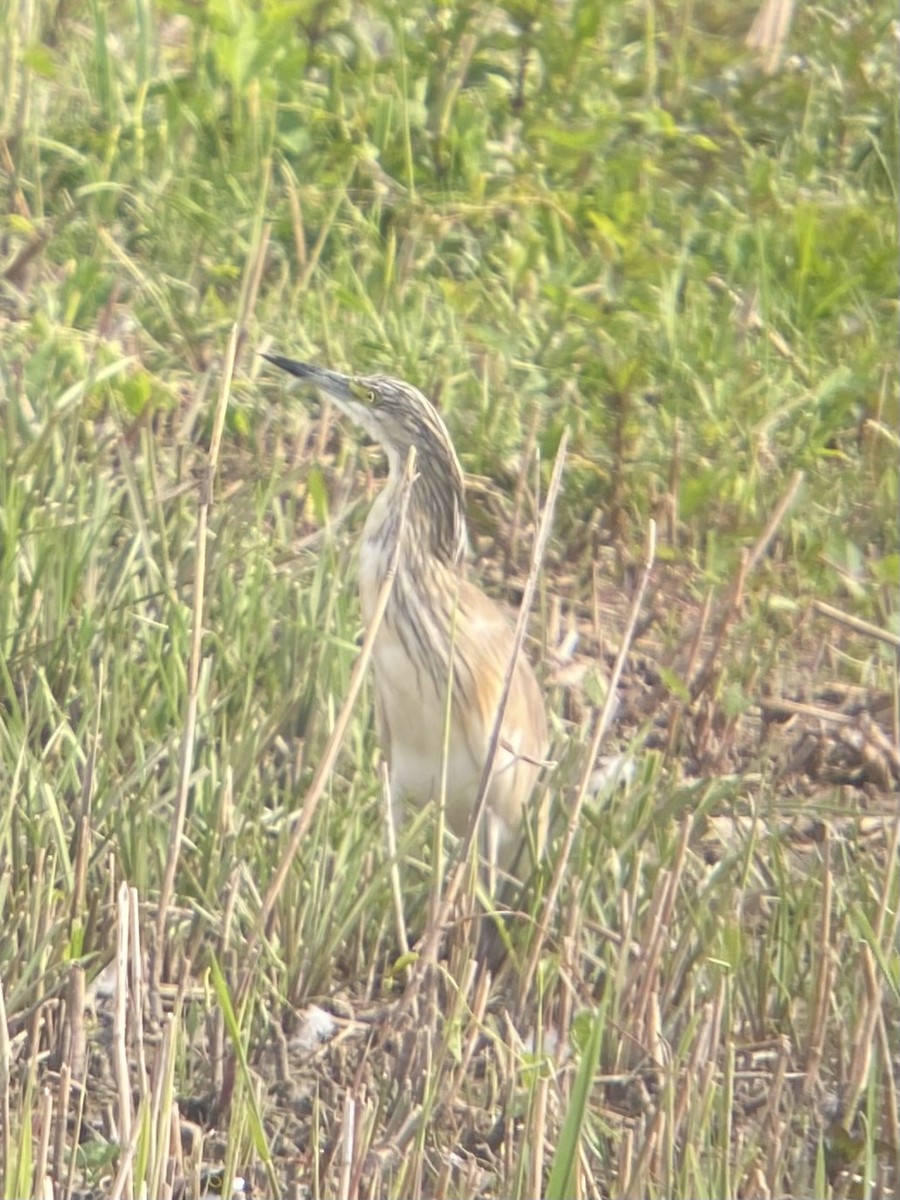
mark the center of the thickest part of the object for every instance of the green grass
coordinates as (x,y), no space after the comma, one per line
(601,217)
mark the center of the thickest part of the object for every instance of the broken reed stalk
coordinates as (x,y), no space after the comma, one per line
(779,707)
(857,624)
(761,545)
(62,1124)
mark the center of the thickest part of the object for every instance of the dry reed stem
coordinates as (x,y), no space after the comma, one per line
(891,1121)
(161,1105)
(885,929)
(39,927)
(299,231)
(62,1123)
(701,1049)
(136,993)
(713,1037)
(83,820)
(646,970)
(824,975)
(360,1145)
(625,1165)
(232,889)
(512,549)
(857,624)
(886,933)
(393,864)
(75,1050)
(75,1039)
(570,957)
(600,728)
(761,545)
(126,1165)
(678,705)
(537,1132)
(864,1034)
(45,1122)
(187,744)
(769,31)
(652,1137)
(256,263)
(711,669)
(120,1051)
(775,1115)
(76,1138)
(779,707)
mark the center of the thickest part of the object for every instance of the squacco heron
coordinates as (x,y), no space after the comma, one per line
(439,631)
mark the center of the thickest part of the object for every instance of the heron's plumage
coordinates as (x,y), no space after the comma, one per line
(439,630)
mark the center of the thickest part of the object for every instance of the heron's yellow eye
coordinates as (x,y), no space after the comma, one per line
(370,396)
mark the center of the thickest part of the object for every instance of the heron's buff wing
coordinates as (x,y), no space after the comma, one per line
(490,645)
(486,640)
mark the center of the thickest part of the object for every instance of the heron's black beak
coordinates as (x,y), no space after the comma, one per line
(332,383)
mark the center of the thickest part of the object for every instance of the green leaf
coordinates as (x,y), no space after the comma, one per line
(257,1129)
(318,494)
(561,1184)
(675,684)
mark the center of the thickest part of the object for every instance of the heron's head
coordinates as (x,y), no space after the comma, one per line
(398,416)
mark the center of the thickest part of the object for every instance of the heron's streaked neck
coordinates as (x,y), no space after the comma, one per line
(435,525)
